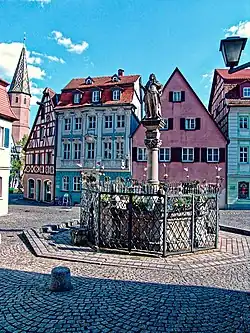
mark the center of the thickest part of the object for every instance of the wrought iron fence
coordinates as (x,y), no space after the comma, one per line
(143,218)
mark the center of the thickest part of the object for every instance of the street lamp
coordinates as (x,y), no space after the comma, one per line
(231,49)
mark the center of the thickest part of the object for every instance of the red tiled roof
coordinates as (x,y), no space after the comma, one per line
(241,75)
(5,109)
(126,83)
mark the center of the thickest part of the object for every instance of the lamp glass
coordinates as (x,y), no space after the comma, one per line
(231,49)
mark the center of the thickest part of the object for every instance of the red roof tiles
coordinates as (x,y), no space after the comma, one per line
(241,75)
(5,109)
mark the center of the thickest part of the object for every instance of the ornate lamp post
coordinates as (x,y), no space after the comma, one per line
(231,49)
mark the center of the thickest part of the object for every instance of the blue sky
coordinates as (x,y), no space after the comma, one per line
(77,38)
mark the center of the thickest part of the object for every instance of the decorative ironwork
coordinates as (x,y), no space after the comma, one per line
(137,217)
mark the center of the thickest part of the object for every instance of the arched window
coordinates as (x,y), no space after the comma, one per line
(31,188)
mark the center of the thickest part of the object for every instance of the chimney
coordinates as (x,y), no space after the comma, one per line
(120,72)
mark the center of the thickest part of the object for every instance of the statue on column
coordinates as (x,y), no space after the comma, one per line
(152,94)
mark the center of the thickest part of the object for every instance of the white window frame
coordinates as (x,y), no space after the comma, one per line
(243,121)
(246,92)
(92,122)
(67,124)
(77,150)
(1,137)
(107,150)
(77,98)
(90,147)
(243,154)
(66,152)
(142,154)
(76,183)
(166,152)
(116,95)
(78,123)
(108,122)
(190,124)
(189,153)
(120,121)
(65,183)
(176,96)
(88,81)
(96,95)
(213,159)
(166,123)
(119,149)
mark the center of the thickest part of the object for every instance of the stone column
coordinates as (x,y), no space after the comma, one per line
(152,142)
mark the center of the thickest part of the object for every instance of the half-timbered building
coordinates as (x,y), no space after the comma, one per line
(39,171)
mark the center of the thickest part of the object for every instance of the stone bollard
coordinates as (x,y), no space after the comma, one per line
(60,279)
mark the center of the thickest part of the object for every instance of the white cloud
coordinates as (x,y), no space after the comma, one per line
(49,57)
(208,76)
(9,55)
(242,29)
(34,89)
(33,100)
(41,2)
(67,43)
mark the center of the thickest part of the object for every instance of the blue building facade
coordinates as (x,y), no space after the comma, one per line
(95,120)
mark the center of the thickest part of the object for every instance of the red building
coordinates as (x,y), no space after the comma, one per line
(193,147)
(39,171)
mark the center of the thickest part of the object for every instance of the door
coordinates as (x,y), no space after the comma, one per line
(47,190)
(38,190)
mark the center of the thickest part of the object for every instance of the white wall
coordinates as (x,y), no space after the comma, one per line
(5,169)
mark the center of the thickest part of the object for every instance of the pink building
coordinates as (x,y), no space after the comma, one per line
(193,147)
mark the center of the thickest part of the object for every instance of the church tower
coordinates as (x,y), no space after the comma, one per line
(19,95)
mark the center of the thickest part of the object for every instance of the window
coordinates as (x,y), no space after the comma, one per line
(96,96)
(108,122)
(91,150)
(65,183)
(243,122)
(120,121)
(142,154)
(1,187)
(164,155)
(77,98)
(42,112)
(77,151)
(176,96)
(16,99)
(187,154)
(115,78)
(119,149)
(39,158)
(78,124)
(246,92)
(116,95)
(33,158)
(66,151)
(243,190)
(107,150)
(77,183)
(1,136)
(165,123)
(67,124)
(243,154)
(42,133)
(48,157)
(50,131)
(92,122)
(24,101)
(88,80)
(213,154)
(190,124)
(31,188)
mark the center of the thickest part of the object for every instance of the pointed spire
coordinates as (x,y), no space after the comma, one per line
(20,82)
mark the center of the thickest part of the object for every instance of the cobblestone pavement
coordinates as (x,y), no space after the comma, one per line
(207,294)
(235,218)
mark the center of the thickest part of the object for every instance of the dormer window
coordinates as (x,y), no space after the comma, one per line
(88,80)
(77,98)
(246,92)
(116,95)
(96,96)
(115,78)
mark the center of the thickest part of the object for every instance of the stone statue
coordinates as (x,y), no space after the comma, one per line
(152,93)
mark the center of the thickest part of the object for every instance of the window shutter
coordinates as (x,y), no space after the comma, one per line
(196,154)
(176,154)
(134,154)
(183,96)
(203,154)
(171,96)
(198,123)
(170,123)
(222,155)
(182,123)
(6,138)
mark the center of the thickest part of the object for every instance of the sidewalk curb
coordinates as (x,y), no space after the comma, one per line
(235,230)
